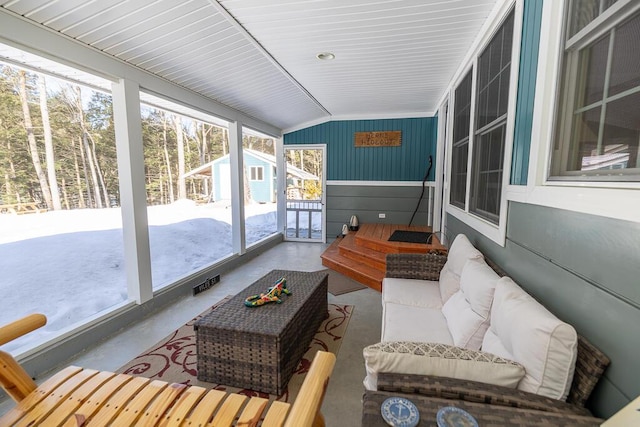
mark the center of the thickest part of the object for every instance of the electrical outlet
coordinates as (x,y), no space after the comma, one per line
(381,215)
(207,284)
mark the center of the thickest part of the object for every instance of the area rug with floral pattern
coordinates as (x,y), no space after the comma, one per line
(174,358)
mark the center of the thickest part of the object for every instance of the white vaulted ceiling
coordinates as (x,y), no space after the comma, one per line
(393,58)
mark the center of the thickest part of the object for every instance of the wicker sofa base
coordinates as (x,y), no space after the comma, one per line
(487,415)
(259,348)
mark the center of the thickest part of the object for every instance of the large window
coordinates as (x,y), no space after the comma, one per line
(259,176)
(598,120)
(188,197)
(61,247)
(484,137)
(492,101)
(461,123)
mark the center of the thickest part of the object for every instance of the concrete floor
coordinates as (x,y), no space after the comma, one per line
(342,403)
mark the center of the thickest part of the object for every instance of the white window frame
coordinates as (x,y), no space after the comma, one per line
(495,232)
(259,173)
(618,200)
(601,26)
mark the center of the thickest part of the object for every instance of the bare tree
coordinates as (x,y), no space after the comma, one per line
(182,187)
(31,139)
(48,143)
(89,154)
(81,202)
(166,158)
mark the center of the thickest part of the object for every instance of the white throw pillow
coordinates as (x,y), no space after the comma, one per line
(465,326)
(467,311)
(478,282)
(449,284)
(460,252)
(439,360)
(521,329)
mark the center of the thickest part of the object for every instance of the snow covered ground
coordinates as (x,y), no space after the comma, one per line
(69,265)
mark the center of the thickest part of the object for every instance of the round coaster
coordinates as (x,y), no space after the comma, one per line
(450,416)
(400,412)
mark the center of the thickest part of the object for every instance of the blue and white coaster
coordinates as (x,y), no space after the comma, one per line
(400,412)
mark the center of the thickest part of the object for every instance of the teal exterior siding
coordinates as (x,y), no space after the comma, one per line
(526,91)
(408,162)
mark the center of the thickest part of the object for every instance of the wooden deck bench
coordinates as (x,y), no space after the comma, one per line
(84,397)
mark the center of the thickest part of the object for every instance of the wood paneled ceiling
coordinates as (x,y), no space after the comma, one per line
(393,58)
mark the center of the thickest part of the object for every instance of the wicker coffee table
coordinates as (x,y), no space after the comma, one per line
(258,348)
(486,415)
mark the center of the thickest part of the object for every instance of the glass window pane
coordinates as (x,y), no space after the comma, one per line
(621,136)
(260,205)
(458,192)
(583,12)
(188,193)
(495,62)
(487,174)
(625,68)
(592,70)
(585,142)
(61,247)
(462,109)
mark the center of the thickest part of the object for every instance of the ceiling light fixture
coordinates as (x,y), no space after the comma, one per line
(325,56)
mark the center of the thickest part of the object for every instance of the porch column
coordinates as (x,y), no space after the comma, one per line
(237,188)
(133,196)
(281,186)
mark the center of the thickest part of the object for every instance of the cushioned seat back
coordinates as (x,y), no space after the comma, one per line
(521,329)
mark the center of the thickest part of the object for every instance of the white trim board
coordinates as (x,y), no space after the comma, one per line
(382,183)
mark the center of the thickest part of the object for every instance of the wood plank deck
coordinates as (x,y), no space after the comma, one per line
(361,255)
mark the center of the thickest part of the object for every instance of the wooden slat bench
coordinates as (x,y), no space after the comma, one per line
(85,397)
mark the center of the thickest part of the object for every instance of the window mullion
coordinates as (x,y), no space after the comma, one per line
(605,92)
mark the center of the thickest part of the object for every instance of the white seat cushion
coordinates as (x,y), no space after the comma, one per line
(409,323)
(521,329)
(467,311)
(419,293)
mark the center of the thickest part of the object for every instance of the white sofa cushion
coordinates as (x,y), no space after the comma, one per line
(467,311)
(521,329)
(419,293)
(410,323)
(440,360)
(460,252)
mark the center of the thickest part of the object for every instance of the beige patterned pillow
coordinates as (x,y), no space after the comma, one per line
(441,360)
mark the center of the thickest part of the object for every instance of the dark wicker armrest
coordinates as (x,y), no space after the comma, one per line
(473,391)
(415,266)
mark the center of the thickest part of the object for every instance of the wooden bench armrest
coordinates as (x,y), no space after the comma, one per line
(306,408)
(13,378)
(18,328)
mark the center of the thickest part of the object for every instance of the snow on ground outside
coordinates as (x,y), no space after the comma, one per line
(69,265)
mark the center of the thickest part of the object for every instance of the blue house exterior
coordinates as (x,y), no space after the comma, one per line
(260,172)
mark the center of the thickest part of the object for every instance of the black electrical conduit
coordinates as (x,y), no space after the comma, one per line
(424,182)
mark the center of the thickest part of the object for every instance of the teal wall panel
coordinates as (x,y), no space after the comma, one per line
(532,17)
(584,269)
(408,162)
